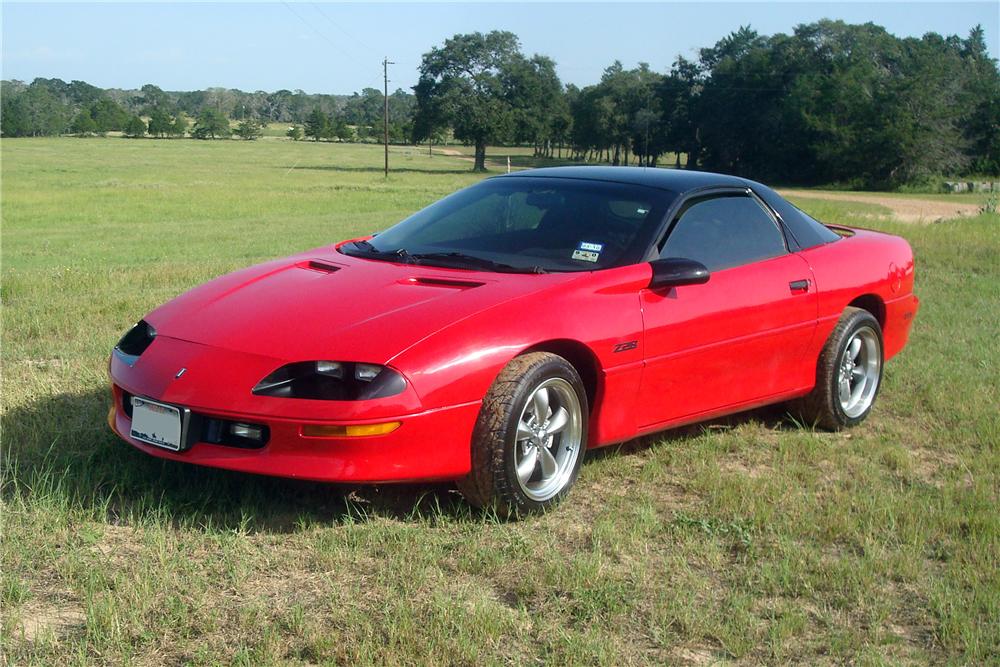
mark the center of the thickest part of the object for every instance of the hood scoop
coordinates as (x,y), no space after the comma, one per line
(320,265)
(454,283)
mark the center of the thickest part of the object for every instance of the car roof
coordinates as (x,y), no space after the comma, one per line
(676,180)
(806,231)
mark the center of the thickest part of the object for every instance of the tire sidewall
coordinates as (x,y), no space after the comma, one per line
(858,321)
(552,368)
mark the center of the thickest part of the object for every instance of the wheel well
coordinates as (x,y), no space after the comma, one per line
(873,304)
(582,359)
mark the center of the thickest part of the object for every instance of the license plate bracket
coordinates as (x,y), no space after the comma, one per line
(159,424)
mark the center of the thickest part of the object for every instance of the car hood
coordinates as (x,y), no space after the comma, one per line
(326,305)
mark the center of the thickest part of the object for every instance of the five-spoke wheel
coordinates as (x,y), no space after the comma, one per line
(860,372)
(548,439)
(530,437)
(848,374)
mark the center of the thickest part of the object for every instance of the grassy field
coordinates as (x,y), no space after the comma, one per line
(748,540)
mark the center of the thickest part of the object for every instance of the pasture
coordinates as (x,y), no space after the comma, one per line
(750,540)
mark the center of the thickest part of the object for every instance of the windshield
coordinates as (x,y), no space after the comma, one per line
(527,224)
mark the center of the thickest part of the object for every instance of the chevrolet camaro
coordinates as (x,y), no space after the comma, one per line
(496,335)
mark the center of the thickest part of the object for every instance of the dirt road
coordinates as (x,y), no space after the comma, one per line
(903,208)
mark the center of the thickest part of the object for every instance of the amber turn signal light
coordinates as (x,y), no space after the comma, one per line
(351,431)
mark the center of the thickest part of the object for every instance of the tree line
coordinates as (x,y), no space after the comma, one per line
(48,107)
(830,102)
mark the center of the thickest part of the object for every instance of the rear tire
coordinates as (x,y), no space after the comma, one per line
(530,438)
(848,375)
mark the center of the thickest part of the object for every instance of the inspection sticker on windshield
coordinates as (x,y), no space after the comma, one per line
(588,252)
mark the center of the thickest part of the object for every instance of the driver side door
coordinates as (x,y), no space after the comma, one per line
(741,337)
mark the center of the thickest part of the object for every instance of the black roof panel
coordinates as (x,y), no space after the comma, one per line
(806,231)
(676,180)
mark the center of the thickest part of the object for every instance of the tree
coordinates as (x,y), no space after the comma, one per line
(337,128)
(634,110)
(294,133)
(249,130)
(462,84)
(981,125)
(297,106)
(536,98)
(178,126)
(46,114)
(150,97)
(134,127)
(678,99)
(874,110)
(562,118)
(160,123)
(740,105)
(81,93)
(210,124)
(14,121)
(83,125)
(364,108)
(108,115)
(317,124)
(275,106)
(593,121)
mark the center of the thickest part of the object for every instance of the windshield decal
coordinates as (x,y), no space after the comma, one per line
(586,255)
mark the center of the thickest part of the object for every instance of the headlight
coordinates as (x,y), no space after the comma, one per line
(135,341)
(331,381)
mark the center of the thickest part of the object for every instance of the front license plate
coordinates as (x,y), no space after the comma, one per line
(156,423)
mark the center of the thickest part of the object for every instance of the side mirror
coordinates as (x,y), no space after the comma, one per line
(677,271)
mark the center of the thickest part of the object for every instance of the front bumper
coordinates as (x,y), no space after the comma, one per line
(431,445)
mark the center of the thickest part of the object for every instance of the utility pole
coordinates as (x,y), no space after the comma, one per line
(385,110)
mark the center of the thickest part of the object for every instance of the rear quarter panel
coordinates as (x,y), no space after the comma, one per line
(866,263)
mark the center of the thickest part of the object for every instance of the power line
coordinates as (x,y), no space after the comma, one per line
(320,34)
(337,26)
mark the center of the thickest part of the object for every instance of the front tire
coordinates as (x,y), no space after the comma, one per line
(530,438)
(848,375)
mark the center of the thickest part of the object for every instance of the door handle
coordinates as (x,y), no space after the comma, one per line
(799,285)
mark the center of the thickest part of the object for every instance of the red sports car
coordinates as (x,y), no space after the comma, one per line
(494,336)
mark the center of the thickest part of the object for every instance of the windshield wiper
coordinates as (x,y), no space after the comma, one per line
(364,245)
(371,251)
(450,258)
(472,260)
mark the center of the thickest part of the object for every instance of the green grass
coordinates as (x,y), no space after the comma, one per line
(751,541)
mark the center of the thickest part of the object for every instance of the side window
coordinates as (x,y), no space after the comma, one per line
(724,231)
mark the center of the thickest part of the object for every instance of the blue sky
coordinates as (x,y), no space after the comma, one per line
(338,48)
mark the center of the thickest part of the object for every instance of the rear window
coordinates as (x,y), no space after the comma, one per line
(805,230)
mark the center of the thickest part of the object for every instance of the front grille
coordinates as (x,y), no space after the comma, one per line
(213,430)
